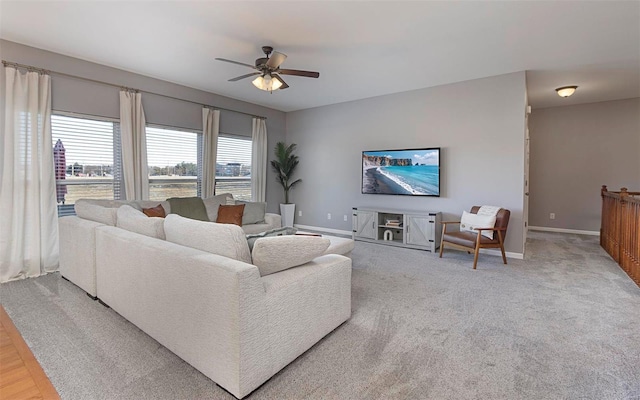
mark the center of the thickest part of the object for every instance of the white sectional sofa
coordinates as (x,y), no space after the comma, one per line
(77,233)
(238,316)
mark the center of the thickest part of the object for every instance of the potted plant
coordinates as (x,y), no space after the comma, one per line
(285,165)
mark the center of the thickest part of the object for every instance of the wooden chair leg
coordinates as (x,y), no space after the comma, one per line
(504,257)
(442,240)
(475,257)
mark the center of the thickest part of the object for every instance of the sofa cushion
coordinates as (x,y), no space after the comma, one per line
(157,211)
(287,230)
(212,203)
(253,212)
(230,214)
(274,254)
(223,239)
(97,213)
(133,220)
(189,207)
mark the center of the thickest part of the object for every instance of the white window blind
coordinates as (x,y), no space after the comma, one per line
(174,158)
(88,159)
(233,166)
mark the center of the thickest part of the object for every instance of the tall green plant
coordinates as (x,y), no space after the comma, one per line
(284,165)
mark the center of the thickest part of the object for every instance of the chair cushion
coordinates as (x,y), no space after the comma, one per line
(467,239)
(470,222)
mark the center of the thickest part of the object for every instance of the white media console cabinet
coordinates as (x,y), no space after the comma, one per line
(413,229)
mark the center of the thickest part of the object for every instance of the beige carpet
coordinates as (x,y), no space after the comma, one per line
(563,324)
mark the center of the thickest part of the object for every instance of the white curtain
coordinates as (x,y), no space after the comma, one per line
(210,130)
(28,217)
(134,146)
(259,160)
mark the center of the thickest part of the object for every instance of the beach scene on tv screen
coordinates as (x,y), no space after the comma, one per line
(408,172)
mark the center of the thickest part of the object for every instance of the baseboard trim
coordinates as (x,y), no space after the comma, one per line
(562,230)
(321,229)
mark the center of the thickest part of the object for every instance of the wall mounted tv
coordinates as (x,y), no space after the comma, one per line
(411,172)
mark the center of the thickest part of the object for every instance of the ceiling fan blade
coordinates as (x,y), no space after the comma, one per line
(308,74)
(284,84)
(237,78)
(276,59)
(236,62)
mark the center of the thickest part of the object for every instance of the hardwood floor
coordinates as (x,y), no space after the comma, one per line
(21,377)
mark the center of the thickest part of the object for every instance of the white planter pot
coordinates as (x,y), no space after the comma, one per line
(287,211)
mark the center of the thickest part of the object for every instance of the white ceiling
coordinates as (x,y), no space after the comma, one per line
(361,49)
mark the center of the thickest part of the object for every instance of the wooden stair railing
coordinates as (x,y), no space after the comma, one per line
(620,229)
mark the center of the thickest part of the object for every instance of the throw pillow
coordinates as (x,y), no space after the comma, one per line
(471,221)
(230,201)
(188,207)
(212,203)
(287,230)
(274,254)
(221,239)
(253,212)
(157,211)
(133,220)
(230,214)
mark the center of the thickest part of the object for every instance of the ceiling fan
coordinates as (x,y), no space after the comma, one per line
(268,69)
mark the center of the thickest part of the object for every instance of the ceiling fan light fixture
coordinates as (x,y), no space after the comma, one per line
(267,83)
(566,91)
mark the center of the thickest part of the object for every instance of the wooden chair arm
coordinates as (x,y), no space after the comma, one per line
(490,229)
(449,222)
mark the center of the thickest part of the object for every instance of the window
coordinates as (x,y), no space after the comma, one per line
(174,159)
(87,160)
(233,166)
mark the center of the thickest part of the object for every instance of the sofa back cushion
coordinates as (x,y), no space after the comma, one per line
(212,203)
(189,207)
(95,212)
(222,239)
(274,254)
(253,212)
(133,220)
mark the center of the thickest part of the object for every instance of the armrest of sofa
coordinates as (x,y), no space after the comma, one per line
(274,220)
(78,251)
(208,309)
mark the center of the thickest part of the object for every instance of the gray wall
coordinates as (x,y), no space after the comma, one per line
(80,96)
(478,124)
(574,151)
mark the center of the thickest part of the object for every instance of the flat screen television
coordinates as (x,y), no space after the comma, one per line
(411,172)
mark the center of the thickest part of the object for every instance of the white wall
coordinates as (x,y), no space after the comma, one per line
(478,124)
(83,97)
(574,151)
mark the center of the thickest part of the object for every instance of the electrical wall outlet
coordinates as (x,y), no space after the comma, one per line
(345,218)
(329,216)
(552,216)
(299,213)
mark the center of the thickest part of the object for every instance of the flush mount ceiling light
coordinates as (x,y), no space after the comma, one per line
(566,91)
(267,83)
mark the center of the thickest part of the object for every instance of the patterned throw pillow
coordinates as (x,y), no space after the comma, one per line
(157,211)
(471,221)
(230,214)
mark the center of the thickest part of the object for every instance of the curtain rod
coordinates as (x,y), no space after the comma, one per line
(49,72)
